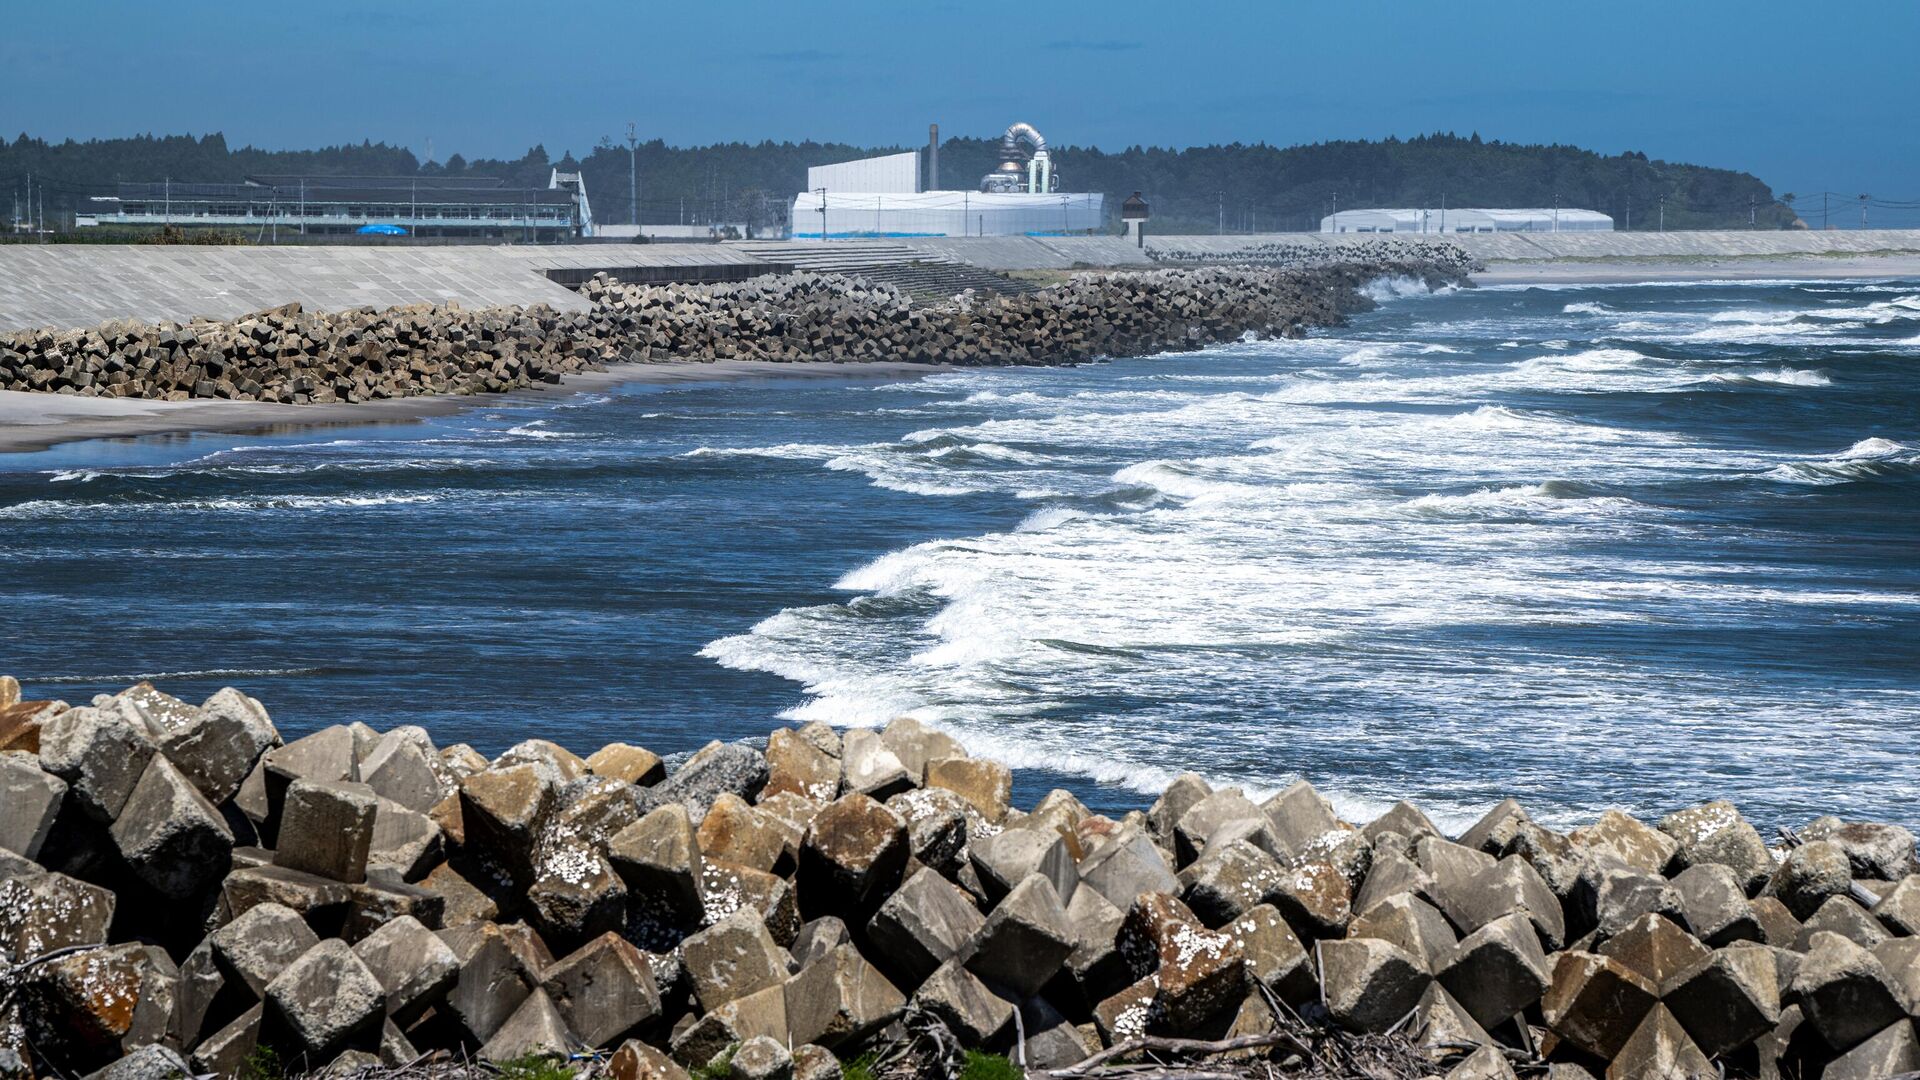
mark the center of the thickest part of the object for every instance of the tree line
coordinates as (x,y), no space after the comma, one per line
(1235,187)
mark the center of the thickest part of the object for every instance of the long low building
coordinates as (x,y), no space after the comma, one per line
(1461,219)
(832,215)
(279,205)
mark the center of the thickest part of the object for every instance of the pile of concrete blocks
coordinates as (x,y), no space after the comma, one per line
(180,888)
(291,356)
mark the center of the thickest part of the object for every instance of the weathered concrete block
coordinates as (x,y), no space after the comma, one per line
(1497,970)
(1411,923)
(628,764)
(1510,885)
(1727,999)
(605,990)
(150,1062)
(1316,899)
(1196,827)
(726,888)
(496,975)
(576,895)
(404,844)
(261,943)
(462,901)
(1840,915)
(1809,875)
(715,768)
(1403,818)
(536,1029)
(1274,955)
(1370,984)
(415,968)
(1229,879)
(1893,1051)
(326,999)
(761,1013)
(1714,834)
(87,1009)
(1125,866)
(1630,840)
(1024,940)
(966,1005)
(1595,1002)
(1660,1047)
(854,855)
(659,859)
(556,762)
(100,753)
(733,958)
(636,1060)
(1009,857)
(1656,947)
(29,801)
(1716,905)
(505,811)
(840,999)
(871,768)
(173,838)
(402,771)
(1497,829)
(1197,973)
(938,824)
(812,1062)
(46,911)
(326,829)
(923,924)
(796,765)
(1844,992)
(1180,796)
(227,1051)
(761,1058)
(986,785)
(917,745)
(733,831)
(1300,816)
(1392,874)
(1879,852)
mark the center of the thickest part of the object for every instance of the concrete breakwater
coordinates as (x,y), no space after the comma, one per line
(183,892)
(290,355)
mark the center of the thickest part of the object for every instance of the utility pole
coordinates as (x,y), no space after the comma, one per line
(1556,211)
(633,174)
(1221,202)
(822,192)
(1752,212)
(1863,209)
(167,199)
(1443,212)
(1825,198)
(1336,211)
(1663,213)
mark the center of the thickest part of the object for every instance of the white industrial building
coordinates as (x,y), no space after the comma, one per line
(1466,220)
(885,197)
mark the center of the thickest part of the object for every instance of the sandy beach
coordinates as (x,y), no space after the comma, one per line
(30,421)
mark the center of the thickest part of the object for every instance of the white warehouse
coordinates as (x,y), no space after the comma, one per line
(1466,220)
(884,197)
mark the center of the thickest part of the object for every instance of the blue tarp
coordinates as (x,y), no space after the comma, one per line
(381,230)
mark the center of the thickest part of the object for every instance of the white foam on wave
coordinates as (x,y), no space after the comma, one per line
(156,676)
(1865,460)
(1777,377)
(65,508)
(535,429)
(1586,308)
(1398,287)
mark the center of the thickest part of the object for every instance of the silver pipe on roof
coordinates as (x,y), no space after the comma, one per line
(1010,142)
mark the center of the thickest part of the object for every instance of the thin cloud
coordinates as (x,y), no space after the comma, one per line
(1105,46)
(797,56)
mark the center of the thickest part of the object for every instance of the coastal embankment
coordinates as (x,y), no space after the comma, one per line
(289,356)
(182,892)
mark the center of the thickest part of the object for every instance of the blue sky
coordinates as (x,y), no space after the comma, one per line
(1808,96)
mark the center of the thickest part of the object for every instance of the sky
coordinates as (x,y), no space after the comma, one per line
(1809,97)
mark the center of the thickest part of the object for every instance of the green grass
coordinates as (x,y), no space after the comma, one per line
(262,1064)
(982,1066)
(860,1068)
(535,1067)
(719,1068)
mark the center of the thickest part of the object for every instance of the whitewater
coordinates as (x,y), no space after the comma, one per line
(1634,546)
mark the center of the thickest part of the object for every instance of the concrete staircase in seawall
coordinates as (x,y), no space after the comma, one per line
(923,275)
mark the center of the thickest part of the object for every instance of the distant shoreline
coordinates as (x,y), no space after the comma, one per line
(31,422)
(1656,270)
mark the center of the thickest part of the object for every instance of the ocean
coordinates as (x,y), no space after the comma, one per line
(1633,546)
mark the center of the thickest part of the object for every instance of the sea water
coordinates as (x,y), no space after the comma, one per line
(1635,546)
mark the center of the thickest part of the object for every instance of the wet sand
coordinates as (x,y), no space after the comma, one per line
(31,421)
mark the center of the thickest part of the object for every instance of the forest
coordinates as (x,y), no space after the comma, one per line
(1231,188)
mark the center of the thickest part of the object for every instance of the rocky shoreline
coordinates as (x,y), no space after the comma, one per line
(290,356)
(182,892)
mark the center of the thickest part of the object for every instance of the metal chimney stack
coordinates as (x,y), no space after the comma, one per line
(933,157)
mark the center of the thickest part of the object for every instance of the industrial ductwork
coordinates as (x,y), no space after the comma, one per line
(1028,171)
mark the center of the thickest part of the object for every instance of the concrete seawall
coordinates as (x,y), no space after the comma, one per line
(66,286)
